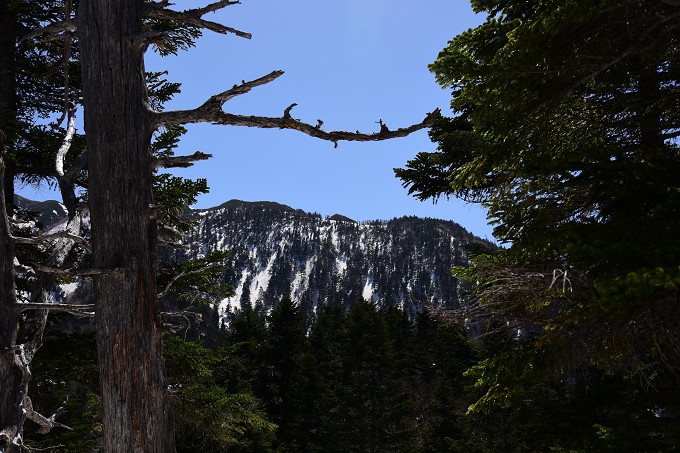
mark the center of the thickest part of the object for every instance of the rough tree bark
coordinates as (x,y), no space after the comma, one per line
(8,38)
(136,408)
(11,369)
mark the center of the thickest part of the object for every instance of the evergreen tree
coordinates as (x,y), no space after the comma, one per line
(283,384)
(374,421)
(244,351)
(565,127)
(326,346)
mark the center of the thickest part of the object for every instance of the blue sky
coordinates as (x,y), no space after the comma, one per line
(349,63)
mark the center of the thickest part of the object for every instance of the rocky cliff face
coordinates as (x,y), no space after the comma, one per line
(279,251)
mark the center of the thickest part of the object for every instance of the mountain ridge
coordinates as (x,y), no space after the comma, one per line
(280,251)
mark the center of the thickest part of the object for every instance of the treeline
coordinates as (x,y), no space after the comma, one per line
(361,380)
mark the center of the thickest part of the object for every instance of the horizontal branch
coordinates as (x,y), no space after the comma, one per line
(192,17)
(88,311)
(55,30)
(78,310)
(92,272)
(287,122)
(50,237)
(180,161)
(211,112)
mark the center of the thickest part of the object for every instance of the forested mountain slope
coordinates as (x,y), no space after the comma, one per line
(279,251)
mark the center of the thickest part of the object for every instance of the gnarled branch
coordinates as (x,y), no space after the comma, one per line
(193,17)
(88,311)
(92,272)
(57,30)
(77,310)
(52,236)
(215,103)
(220,117)
(211,112)
(46,424)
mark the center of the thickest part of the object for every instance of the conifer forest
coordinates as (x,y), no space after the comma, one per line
(130,322)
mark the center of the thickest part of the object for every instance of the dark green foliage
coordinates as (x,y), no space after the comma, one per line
(40,69)
(208,417)
(354,383)
(365,380)
(284,383)
(565,127)
(176,36)
(65,369)
(568,154)
(197,280)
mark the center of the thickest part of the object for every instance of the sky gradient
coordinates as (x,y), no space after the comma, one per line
(348,63)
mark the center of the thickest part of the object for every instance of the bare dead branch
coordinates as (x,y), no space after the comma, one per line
(77,310)
(57,30)
(286,113)
(92,272)
(220,117)
(52,236)
(217,101)
(199,12)
(191,17)
(180,161)
(172,244)
(185,314)
(46,424)
(214,103)
(211,112)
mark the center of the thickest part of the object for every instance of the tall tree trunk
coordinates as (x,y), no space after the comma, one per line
(136,409)
(8,38)
(12,373)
